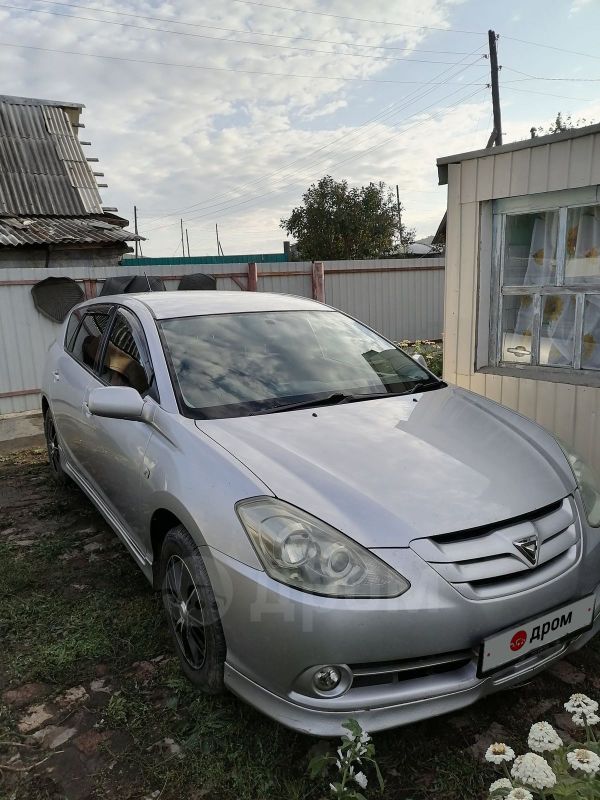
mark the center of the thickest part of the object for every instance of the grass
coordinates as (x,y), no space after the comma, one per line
(68,615)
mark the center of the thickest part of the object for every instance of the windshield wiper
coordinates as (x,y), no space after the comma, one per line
(331,399)
(339,398)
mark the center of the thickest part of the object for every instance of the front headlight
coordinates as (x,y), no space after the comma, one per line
(303,552)
(588,482)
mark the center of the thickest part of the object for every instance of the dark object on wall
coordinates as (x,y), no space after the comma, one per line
(126,284)
(55,297)
(198,282)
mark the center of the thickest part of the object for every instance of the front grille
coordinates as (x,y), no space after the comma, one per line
(393,672)
(484,562)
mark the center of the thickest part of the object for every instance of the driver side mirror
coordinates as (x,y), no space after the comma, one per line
(420,359)
(116,402)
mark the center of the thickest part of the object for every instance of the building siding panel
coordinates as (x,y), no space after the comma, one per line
(580,162)
(502,175)
(519,173)
(538,170)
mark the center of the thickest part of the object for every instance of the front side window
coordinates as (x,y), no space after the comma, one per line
(548,265)
(125,361)
(237,364)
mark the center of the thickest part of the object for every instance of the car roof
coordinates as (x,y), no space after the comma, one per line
(167,305)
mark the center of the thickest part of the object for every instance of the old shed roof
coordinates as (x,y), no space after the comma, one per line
(60,230)
(48,190)
(43,169)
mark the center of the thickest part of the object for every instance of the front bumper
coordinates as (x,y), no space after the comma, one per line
(275,634)
(322,723)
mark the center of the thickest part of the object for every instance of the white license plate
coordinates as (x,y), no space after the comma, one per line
(520,640)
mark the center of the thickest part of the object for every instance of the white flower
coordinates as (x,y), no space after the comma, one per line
(542,737)
(499,752)
(361,779)
(519,794)
(581,704)
(584,760)
(502,783)
(534,771)
(583,718)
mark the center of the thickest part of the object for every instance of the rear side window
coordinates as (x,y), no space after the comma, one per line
(86,343)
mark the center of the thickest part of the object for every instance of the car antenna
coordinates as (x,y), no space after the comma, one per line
(148,282)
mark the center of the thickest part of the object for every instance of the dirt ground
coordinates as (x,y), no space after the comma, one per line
(93,704)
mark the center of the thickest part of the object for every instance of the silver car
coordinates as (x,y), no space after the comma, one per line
(335,532)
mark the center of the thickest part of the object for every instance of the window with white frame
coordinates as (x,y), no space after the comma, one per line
(547,286)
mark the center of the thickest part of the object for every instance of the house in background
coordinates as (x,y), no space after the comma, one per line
(51,213)
(522,294)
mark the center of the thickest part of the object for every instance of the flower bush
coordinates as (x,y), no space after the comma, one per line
(432,352)
(553,769)
(354,754)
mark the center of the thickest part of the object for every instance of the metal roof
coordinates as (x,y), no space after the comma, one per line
(259,258)
(60,230)
(537,141)
(43,169)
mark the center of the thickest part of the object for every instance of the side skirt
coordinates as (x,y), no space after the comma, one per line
(112,520)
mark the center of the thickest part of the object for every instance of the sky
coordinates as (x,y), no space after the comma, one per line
(224,113)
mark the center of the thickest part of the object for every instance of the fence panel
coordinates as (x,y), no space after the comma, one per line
(401,298)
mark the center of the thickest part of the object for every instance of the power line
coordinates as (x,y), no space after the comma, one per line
(219,38)
(392,110)
(247,32)
(530,77)
(211,69)
(226,208)
(546,94)
(358,19)
(550,47)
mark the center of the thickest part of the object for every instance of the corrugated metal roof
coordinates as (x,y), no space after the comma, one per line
(43,169)
(60,230)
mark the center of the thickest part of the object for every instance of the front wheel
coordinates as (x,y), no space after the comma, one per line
(192,613)
(53,447)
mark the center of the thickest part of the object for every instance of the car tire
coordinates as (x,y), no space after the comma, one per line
(53,448)
(192,612)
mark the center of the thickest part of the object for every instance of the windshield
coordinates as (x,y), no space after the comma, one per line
(226,365)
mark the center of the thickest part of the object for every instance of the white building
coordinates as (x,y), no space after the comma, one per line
(522,295)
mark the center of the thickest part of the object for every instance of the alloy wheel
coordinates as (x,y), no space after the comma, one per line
(184,607)
(53,446)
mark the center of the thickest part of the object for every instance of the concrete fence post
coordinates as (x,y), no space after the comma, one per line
(252,277)
(318,281)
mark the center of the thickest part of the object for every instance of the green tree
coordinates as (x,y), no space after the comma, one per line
(562,124)
(336,221)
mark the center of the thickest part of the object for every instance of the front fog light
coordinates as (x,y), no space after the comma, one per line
(327,678)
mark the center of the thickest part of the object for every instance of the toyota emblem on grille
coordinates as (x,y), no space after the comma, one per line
(529,548)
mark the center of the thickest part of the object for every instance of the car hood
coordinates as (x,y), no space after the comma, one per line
(387,471)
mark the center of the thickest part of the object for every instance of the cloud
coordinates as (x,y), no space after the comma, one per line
(578,5)
(239,148)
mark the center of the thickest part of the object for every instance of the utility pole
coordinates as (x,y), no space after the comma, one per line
(496,135)
(135,228)
(219,248)
(399,216)
(188,241)
(182,244)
